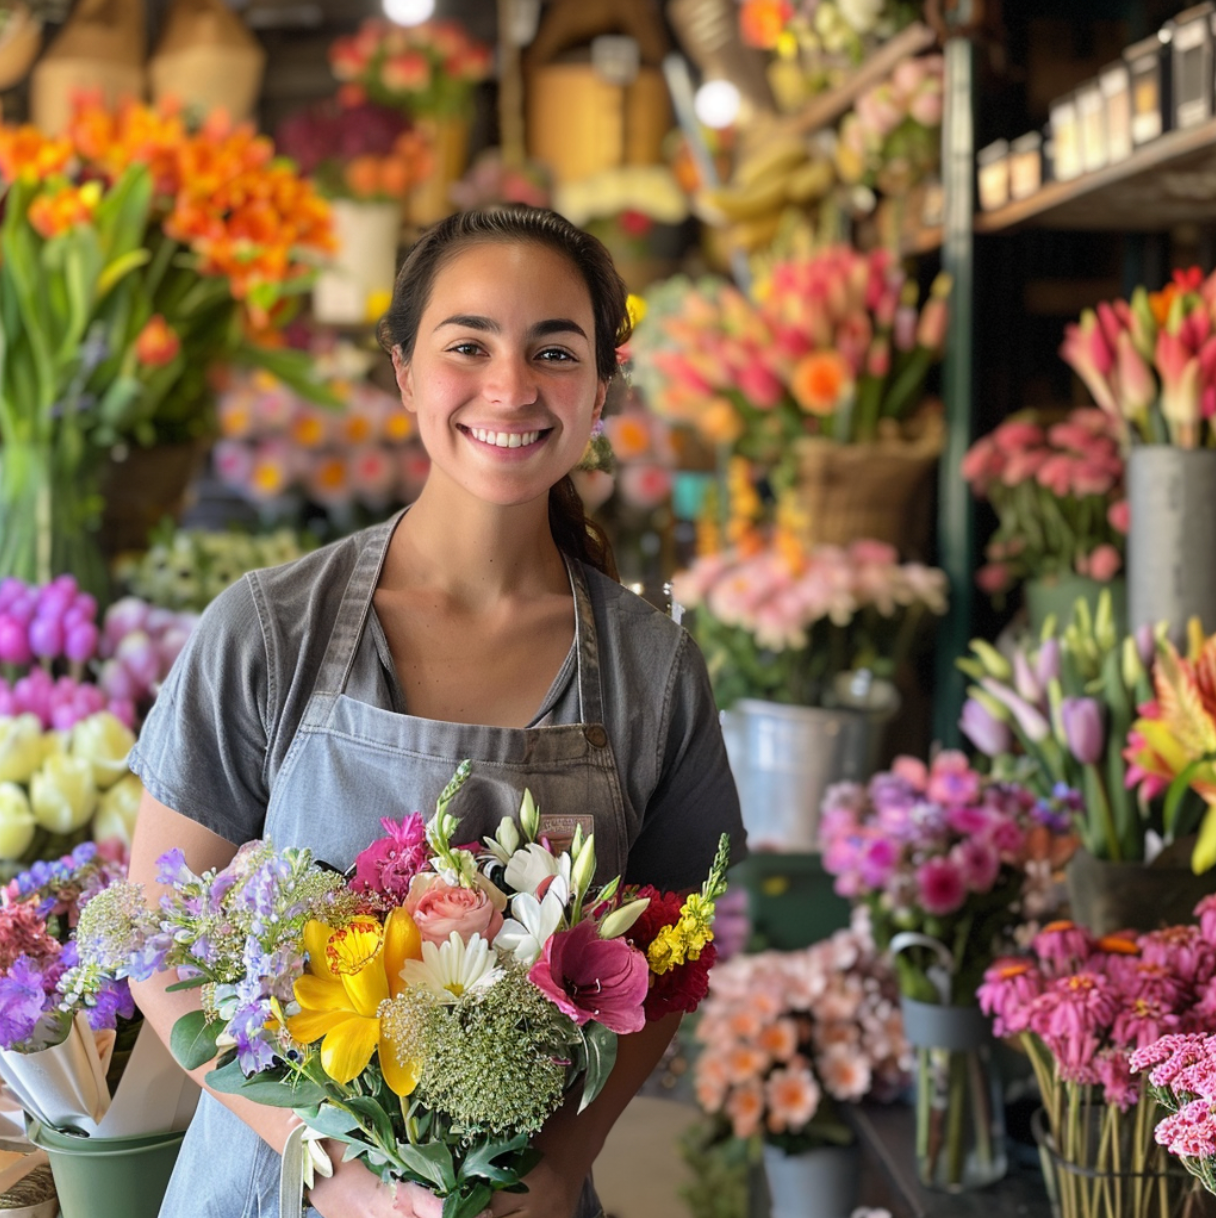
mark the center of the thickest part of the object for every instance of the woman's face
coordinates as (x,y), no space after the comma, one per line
(502,379)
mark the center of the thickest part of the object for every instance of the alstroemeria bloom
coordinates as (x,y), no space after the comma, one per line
(592,978)
(351,971)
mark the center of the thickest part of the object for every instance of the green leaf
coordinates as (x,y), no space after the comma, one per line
(287,1092)
(192,1041)
(467,1204)
(332,1121)
(1179,787)
(601,1057)
(433,1162)
(190,983)
(371,1114)
(120,267)
(296,369)
(480,1160)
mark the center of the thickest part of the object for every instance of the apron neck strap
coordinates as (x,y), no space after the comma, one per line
(590,685)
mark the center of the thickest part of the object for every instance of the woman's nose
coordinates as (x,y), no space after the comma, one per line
(512,381)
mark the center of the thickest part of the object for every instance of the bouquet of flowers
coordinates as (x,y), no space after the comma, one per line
(1058,495)
(1171,746)
(835,345)
(1090,1013)
(432,1011)
(425,69)
(891,139)
(1182,1079)
(823,626)
(136,252)
(786,1036)
(944,855)
(1150,363)
(363,152)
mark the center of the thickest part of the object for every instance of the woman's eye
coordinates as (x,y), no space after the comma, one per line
(465,348)
(555,355)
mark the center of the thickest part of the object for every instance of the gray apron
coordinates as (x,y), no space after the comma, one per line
(350,764)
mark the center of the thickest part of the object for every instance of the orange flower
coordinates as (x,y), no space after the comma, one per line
(820,382)
(762,21)
(398,426)
(363,176)
(26,152)
(157,343)
(54,212)
(719,421)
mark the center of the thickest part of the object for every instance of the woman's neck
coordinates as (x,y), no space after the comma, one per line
(475,552)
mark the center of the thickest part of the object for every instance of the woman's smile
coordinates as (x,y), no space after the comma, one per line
(512,440)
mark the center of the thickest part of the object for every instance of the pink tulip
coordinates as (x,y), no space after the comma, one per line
(1105,563)
(1118,516)
(1179,388)
(1085,351)
(1137,385)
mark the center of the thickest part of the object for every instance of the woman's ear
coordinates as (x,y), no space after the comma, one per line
(601,395)
(401,370)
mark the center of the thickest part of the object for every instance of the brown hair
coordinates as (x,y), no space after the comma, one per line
(574,533)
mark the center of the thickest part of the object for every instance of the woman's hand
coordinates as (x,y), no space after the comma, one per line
(354,1192)
(551,1194)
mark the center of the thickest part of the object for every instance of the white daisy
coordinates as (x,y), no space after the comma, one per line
(450,970)
(526,934)
(533,864)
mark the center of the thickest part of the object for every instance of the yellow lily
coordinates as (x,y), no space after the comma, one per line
(351,971)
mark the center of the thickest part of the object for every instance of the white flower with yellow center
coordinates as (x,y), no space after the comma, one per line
(450,970)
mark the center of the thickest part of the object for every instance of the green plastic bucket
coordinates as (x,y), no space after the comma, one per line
(109,1177)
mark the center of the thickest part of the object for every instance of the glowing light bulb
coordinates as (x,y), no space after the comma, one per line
(717,103)
(409,12)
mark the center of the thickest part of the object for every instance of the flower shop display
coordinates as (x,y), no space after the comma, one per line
(184,570)
(818,383)
(103,1098)
(948,864)
(289,457)
(1062,515)
(786,1037)
(126,273)
(360,1003)
(365,158)
(1059,715)
(492,178)
(1150,363)
(1091,1012)
(429,71)
(804,647)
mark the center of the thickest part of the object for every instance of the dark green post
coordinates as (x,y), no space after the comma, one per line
(955,509)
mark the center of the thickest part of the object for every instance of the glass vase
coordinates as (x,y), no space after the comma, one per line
(50,511)
(960,1118)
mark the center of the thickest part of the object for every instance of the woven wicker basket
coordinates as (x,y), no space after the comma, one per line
(881,490)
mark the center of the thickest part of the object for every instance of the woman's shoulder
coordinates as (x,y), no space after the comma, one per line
(624,609)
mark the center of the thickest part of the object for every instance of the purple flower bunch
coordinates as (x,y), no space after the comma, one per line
(42,981)
(939,851)
(53,622)
(1092,1013)
(1182,1077)
(138,644)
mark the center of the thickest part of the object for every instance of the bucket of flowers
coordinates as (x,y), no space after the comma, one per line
(788,1037)
(420,937)
(949,864)
(1093,1013)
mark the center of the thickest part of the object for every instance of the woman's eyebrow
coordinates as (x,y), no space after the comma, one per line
(551,325)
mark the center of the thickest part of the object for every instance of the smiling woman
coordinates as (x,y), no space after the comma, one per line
(484,623)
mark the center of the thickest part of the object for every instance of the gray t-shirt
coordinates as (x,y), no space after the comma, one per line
(226,716)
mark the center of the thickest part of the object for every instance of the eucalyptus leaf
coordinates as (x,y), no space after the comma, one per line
(192,1041)
(290,1092)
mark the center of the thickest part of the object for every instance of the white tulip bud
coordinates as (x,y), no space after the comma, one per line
(16,821)
(106,742)
(63,794)
(20,747)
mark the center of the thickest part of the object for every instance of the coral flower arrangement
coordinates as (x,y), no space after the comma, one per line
(787,1036)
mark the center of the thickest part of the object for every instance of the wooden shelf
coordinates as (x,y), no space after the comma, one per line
(1170,181)
(825,108)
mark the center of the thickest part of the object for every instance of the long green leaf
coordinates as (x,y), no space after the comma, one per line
(192,1041)
(601,1057)
(1178,788)
(120,267)
(432,1161)
(332,1121)
(467,1204)
(290,1092)
(480,1161)
(121,218)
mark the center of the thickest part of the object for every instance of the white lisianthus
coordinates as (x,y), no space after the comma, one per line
(20,747)
(450,970)
(531,866)
(16,821)
(117,810)
(106,742)
(533,922)
(63,794)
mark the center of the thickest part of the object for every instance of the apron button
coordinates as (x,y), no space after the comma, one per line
(596,736)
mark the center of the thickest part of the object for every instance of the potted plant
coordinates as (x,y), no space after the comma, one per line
(787,1038)
(804,646)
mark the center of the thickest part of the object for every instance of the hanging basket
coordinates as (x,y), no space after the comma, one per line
(881,490)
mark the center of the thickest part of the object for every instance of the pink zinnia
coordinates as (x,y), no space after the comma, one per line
(1182,949)
(952,781)
(940,885)
(978,862)
(1114,1072)
(1062,946)
(1008,992)
(1143,1021)
(1071,1016)
(390,863)
(592,978)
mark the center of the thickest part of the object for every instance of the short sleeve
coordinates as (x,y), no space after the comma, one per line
(202,750)
(695,800)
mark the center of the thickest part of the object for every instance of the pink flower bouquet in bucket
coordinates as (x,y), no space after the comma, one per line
(432,1011)
(1057,490)
(1089,1011)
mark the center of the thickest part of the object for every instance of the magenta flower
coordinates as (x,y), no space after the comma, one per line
(940,886)
(592,978)
(1071,1016)
(1191,1132)
(984,729)
(979,863)
(1181,949)
(878,859)
(1115,1075)
(1142,1022)
(1083,729)
(1205,911)
(952,780)
(1169,1056)
(1063,947)
(387,866)
(1008,992)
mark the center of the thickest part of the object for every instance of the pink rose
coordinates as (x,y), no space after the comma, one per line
(439,908)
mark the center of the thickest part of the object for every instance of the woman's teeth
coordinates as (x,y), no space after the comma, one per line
(505,439)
